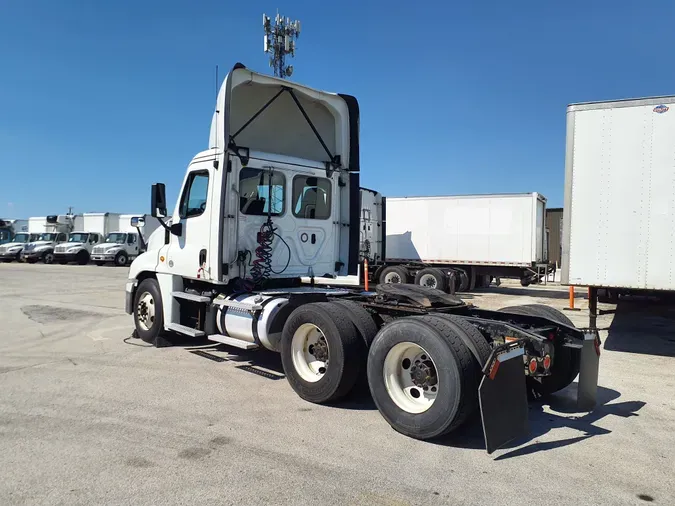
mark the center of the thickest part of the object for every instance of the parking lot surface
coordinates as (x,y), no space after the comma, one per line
(89,415)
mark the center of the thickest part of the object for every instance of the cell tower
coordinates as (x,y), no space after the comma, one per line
(279,42)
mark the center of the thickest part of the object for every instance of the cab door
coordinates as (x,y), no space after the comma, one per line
(312,201)
(188,252)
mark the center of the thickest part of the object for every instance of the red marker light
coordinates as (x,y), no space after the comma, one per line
(533,366)
(547,362)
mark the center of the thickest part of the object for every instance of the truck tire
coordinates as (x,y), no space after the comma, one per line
(432,278)
(525,282)
(566,361)
(48,257)
(121,259)
(321,352)
(82,258)
(361,318)
(394,274)
(422,377)
(148,310)
(462,280)
(460,325)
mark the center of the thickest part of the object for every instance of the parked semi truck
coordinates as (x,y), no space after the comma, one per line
(470,239)
(127,242)
(619,206)
(275,197)
(57,228)
(80,243)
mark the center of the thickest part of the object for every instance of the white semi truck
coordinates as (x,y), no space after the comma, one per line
(275,198)
(81,242)
(126,242)
(619,207)
(56,230)
(470,239)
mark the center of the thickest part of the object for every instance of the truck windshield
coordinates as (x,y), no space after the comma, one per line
(21,238)
(4,235)
(47,237)
(116,237)
(78,237)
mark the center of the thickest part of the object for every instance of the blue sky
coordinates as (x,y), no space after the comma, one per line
(98,100)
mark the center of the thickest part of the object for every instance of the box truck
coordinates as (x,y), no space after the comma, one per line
(277,195)
(80,242)
(56,230)
(9,228)
(469,238)
(619,204)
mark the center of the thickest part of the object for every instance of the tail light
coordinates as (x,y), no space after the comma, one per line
(547,362)
(532,366)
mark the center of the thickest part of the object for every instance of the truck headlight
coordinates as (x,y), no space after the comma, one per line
(73,250)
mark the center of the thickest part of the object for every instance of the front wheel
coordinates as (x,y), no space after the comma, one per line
(121,259)
(148,315)
(82,258)
(48,257)
(321,352)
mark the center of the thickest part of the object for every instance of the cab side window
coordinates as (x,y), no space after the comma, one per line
(261,192)
(311,197)
(93,238)
(193,201)
(131,239)
(61,238)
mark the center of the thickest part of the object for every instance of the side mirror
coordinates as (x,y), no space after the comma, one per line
(158,200)
(177,229)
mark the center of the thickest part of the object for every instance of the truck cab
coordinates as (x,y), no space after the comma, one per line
(57,228)
(12,250)
(117,248)
(77,248)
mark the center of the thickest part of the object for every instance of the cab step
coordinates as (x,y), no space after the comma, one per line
(232,341)
(187,331)
(190,296)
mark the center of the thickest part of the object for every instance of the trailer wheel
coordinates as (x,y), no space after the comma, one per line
(463,281)
(566,361)
(148,310)
(321,352)
(422,377)
(431,278)
(82,258)
(394,274)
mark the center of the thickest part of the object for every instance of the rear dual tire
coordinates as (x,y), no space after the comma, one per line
(423,378)
(322,352)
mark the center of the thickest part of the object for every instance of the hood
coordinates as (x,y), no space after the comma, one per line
(65,246)
(38,245)
(9,245)
(100,248)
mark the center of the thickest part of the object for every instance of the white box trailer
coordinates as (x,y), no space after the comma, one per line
(619,215)
(472,237)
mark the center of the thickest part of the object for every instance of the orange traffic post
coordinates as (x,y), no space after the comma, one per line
(365,274)
(571,307)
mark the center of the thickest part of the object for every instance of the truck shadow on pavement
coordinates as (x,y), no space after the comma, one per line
(642,326)
(541,422)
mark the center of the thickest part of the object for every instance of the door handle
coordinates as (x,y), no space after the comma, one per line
(313,238)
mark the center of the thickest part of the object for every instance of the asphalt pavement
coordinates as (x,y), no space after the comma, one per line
(90,415)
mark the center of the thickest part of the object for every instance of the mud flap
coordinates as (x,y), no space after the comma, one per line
(587,388)
(503,397)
